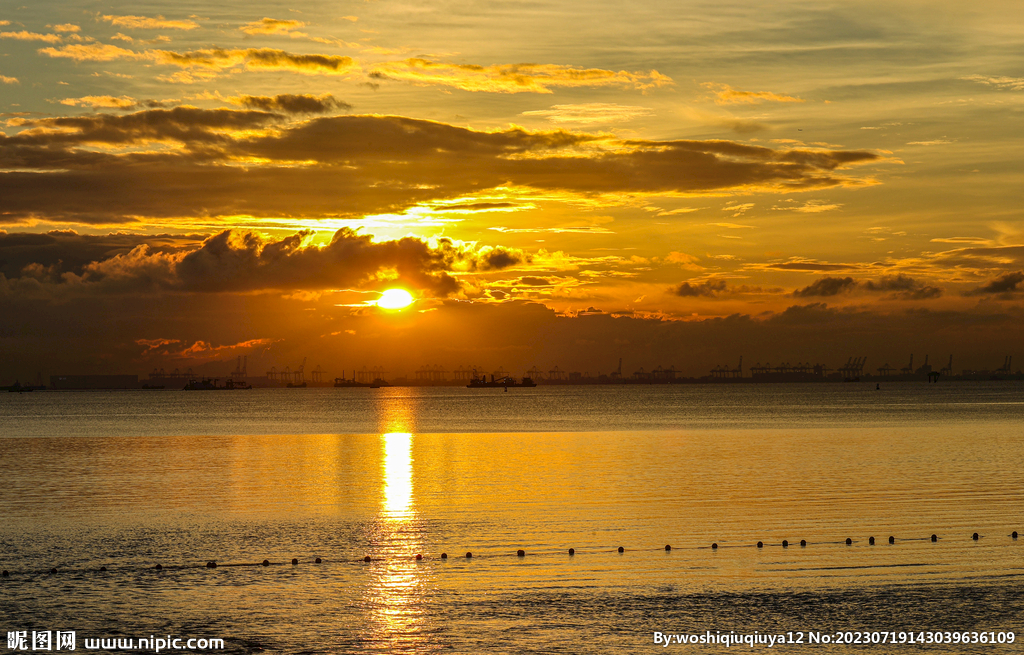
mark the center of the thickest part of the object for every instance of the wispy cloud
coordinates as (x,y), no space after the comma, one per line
(271,26)
(145,23)
(101,102)
(998,81)
(32,36)
(590,113)
(726,95)
(513,78)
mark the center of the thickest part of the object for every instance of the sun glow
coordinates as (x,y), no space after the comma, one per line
(395,299)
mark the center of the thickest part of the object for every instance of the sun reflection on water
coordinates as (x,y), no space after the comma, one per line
(397,475)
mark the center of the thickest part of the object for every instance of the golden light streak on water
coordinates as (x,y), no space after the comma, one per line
(397,475)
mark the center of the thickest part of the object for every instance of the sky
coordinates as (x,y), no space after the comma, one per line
(670,183)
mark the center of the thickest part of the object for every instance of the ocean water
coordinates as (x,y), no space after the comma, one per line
(129,480)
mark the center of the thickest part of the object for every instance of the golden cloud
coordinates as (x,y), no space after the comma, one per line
(101,102)
(31,36)
(144,23)
(271,26)
(513,78)
(93,52)
(257,58)
(726,95)
(9,80)
(66,27)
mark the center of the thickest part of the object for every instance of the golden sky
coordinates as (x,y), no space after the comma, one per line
(674,183)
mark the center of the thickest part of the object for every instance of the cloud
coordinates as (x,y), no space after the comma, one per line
(66,28)
(101,102)
(213,59)
(726,95)
(826,286)
(257,59)
(707,289)
(93,52)
(899,286)
(144,23)
(998,81)
(798,264)
(271,26)
(356,165)
(31,36)
(1004,285)
(591,113)
(292,104)
(513,78)
(9,80)
(810,207)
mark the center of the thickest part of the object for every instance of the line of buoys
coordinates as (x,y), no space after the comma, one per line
(212,564)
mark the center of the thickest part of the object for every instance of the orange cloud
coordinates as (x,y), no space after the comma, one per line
(513,78)
(144,23)
(257,58)
(101,102)
(93,52)
(66,27)
(9,80)
(271,26)
(31,36)
(726,95)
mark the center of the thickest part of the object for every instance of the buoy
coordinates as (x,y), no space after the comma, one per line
(211,565)
(871,540)
(103,568)
(294,561)
(974,536)
(521,553)
(469,555)
(159,567)
(621,549)
(1014,535)
(803,542)
(892,539)
(760,545)
(935,538)
(418,557)
(714,546)
(53,571)
(444,555)
(785,543)
(668,547)
(572,551)
(266,562)
(366,559)
(318,560)
(5,573)
(849,541)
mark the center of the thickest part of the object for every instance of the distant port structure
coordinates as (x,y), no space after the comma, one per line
(855,369)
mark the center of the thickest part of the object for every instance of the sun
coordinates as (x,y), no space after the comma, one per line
(395,299)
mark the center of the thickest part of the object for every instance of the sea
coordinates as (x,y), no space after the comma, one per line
(800,518)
